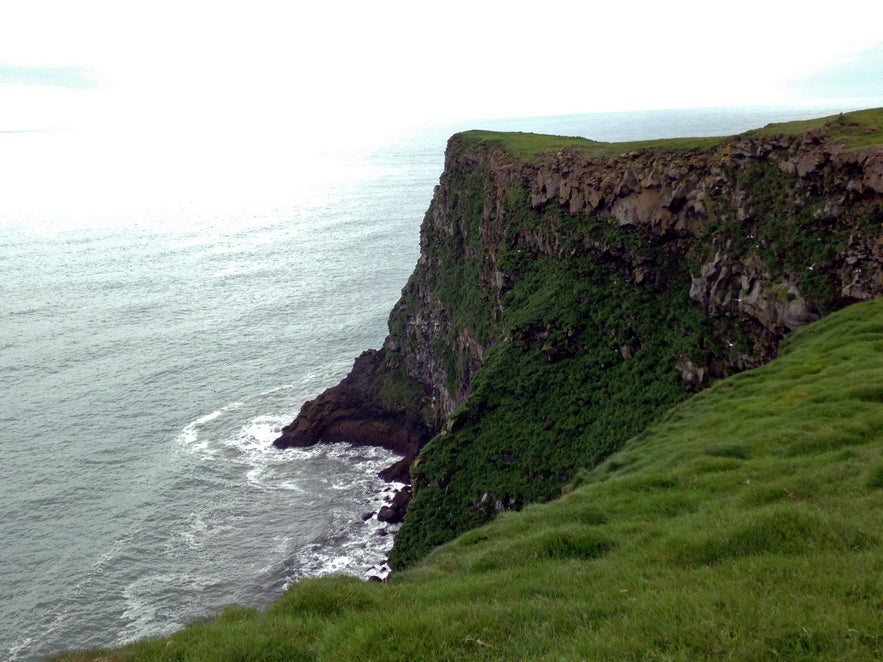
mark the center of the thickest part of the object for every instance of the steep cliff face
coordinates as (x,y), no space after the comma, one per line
(561,302)
(790,219)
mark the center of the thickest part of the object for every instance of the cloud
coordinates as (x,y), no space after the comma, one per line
(320,69)
(858,76)
(75,78)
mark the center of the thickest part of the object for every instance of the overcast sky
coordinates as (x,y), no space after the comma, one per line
(169,104)
(217,65)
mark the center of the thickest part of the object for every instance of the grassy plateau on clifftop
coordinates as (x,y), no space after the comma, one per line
(857,129)
(745,525)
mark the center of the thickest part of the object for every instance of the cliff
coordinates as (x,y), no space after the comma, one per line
(569,292)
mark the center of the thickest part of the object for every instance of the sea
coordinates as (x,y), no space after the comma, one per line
(154,339)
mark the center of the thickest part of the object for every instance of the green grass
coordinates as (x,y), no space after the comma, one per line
(745,525)
(531,146)
(862,128)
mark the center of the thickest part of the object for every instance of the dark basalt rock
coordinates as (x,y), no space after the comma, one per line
(398,472)
(354,411)
(395,511)
(387,514)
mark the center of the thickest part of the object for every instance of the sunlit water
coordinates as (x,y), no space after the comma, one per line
(153,343)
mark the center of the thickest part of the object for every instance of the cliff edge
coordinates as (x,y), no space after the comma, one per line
(569,292)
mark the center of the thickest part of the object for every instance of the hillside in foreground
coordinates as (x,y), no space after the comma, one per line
(744,525)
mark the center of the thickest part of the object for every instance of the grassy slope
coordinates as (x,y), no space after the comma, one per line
(746,525)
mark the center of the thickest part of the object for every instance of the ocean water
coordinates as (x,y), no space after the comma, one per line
(151,347)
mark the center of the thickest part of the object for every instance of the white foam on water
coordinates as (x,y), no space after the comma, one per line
(267,467)
(189,438)
(237,440)
(19,647)
(254,439)
(196,531)
(354,545)
(359,550)
(287,485)
(144,600)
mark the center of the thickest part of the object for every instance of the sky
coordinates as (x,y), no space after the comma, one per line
(210,66)
(191,85)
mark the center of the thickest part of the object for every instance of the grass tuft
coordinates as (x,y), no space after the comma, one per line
(734,450)
(875,479)
(784,529)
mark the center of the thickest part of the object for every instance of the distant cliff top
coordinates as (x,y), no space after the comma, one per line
(858,129)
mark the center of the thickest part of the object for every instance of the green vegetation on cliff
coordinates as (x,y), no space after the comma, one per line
(587,360)
(744,525)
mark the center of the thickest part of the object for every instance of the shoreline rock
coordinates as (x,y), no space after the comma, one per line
(394,513)
(355,412)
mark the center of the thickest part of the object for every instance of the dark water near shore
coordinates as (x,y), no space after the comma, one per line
(148,356)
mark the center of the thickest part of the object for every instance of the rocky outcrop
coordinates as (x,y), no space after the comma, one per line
(685,200)
(394,512)
(355,411)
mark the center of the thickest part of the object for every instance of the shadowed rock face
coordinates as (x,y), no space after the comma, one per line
(354,411)
(730,214)
(683,198)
